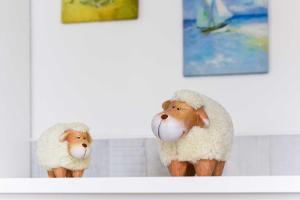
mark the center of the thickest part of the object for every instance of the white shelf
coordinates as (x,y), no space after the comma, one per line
(263,184)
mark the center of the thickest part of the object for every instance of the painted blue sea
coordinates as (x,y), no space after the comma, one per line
(240,47)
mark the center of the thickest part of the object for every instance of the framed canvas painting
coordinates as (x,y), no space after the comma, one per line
(74,11)
(225,37)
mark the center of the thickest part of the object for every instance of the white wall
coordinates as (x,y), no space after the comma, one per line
(115,75)
(14,88)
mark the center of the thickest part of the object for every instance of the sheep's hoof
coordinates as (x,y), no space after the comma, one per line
(77,173)
(180,168)
(219,168)
(209,167)
(51,174)
(60,172)
(69,174)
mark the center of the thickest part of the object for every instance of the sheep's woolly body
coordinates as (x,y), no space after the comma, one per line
(52,153)
(214,142)
(192,98)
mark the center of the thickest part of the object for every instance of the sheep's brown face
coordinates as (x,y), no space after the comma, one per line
(177,119)
(79,143)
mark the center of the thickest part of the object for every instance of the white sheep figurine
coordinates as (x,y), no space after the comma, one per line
(195,135)
(64,150)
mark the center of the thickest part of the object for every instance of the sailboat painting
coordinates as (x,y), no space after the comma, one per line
(223,37)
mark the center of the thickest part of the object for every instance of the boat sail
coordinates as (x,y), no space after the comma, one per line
(212,15)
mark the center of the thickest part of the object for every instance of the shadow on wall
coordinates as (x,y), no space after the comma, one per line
(251,156)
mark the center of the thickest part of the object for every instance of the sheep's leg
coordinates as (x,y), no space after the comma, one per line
(51,174)
(219,168)
(205,167)
(178,168)
(77,173)
(60,172)
(69,174)
(190,170)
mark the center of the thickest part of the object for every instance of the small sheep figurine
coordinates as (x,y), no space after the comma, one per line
(64,150)
(195,135)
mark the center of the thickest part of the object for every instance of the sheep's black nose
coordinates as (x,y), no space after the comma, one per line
(164,116)
(84,145)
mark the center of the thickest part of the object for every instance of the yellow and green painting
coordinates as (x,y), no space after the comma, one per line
(74,11)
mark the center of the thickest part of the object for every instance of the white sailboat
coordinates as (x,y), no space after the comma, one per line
(212,15)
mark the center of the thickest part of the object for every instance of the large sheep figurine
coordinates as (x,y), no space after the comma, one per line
(195,135)
(64,150)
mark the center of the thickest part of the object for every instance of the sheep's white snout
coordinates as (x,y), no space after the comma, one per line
(167,128)
(80,152)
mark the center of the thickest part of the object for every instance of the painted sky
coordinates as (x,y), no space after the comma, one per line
(237,7)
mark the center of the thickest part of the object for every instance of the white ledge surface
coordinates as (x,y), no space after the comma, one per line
(259,184)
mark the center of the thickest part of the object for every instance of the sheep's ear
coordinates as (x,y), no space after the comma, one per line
(166,104)
(64,136)
(89,138)
(203,118)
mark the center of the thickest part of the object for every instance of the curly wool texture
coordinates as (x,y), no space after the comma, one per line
(193,99)
(53,154)
(214,142)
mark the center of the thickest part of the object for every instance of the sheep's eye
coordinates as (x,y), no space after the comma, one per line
(84,138)
(178,108)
